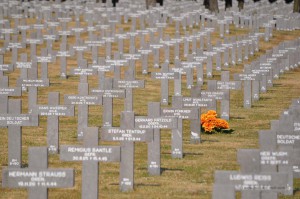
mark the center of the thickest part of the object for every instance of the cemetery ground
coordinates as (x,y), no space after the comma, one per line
(190,177)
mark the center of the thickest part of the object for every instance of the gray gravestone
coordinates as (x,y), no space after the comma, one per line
(53,111)
(247,78)
(156,122)
(83,100)
(165,75)
(180,113)
(128,84)
(227,85)
(108,93)
(37,178)
(90,154)
(14,120)
(127,134)
(5,92)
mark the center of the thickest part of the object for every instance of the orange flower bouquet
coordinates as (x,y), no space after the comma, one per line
(211,124)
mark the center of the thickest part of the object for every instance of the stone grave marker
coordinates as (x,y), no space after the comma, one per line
(165,75)
(83,100)
(14,46)
(250,181)
(226,85)
(24,65)
(197,101)
(127,134)
(90,154)
(107,92)
(247,78)
(156,122)
(180,113)
(128,84)
(32,82)
(83,71)
(5,92)
(53,111)
(63,54)
(37,178)
(44,59)
(14,120)
(4,67)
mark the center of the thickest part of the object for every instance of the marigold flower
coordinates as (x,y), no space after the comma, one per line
(210,122)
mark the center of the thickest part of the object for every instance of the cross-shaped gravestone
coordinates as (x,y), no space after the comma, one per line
(83,100)
(32,82)
(24,66)
(107,92)
(165,75)
(247,78)
(15,45)
(63,54)
(128,84)
(14,120)
(4,67)
(250,161)
(250,181)
(198,102)
(5,92)
(156,122)
(44,59)
(83,71)
(180,113)
(225,84)
(53,111)
(90,154)
(127,134)
(37,178)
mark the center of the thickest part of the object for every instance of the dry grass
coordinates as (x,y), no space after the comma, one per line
(190,177)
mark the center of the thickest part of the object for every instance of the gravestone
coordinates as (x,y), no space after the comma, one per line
(14,120)
(165,75)
(226,85)
(180,113)
(63,54)
(198,102)
(156,122)
(128,84)
(107,92)
(83,100)
(247,78)
(5,92)
(37,178)
(127,134)
(90,154)
(53,111)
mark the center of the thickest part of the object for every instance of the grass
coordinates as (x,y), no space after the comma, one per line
(190,177)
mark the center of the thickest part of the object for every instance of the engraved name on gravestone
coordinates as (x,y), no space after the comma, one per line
(14,120)
(53,111)
(5,92)
(180,113)
(165,75)
(83,100)
(37,178)
(127,134)
(108,93)
(90,154)
(156,122)
(247,79)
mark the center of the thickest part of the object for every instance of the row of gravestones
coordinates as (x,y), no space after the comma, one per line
(14,118)
(270,170)
(258,76)
(187,66)
(194,12)
(127,132)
